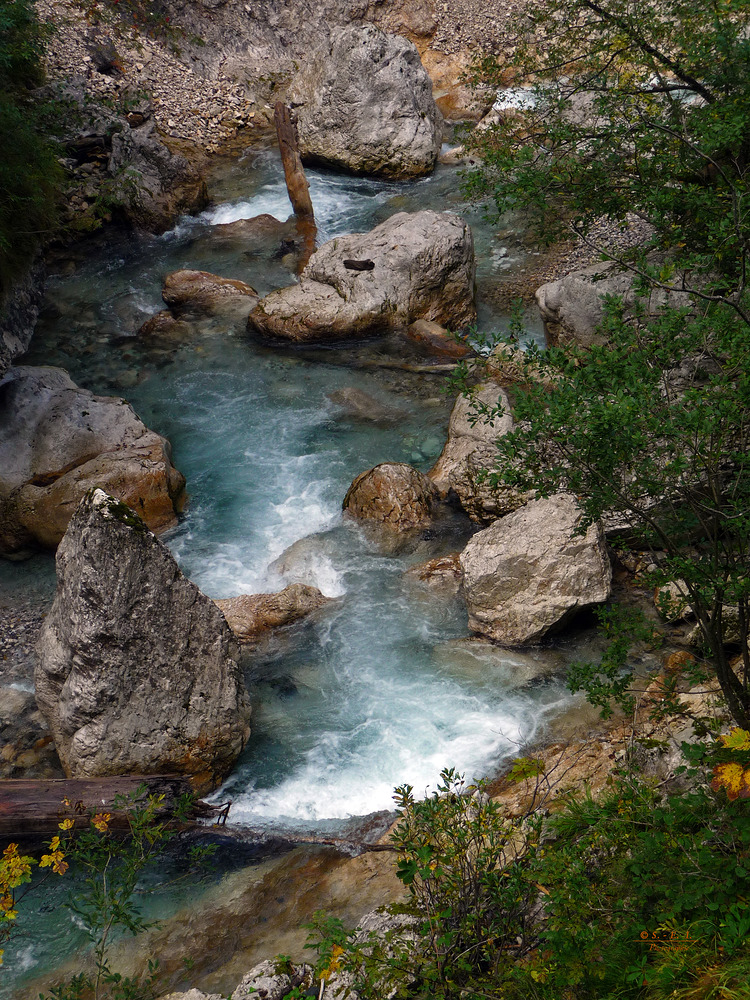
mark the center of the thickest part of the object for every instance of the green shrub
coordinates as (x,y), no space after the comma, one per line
(641,894)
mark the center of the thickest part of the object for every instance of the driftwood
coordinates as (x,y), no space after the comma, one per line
(296,182)
(33,808)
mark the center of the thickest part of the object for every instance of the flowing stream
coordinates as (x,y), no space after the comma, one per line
(383,686)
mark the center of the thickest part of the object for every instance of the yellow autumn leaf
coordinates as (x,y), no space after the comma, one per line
(101,822)
(737,739)
(730,777)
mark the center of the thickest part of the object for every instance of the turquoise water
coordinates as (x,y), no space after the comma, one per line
(383,686)
(369,694)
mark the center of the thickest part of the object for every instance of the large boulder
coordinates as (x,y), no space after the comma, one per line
(529,573)
(418,266)
(470,453)
(152,184)
(250,616)
(573,307)
(393,495)
(364,103)
(137,670)
(57,441)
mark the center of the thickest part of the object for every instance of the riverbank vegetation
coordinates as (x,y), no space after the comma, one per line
(643,109)
(30,176)
(640,894)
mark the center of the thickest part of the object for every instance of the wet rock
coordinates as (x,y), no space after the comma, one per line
(470,453)
(193,994)
(423,269)
(267,982)
(360,405)
(393,495)
(573,307)
(475,658)
(57,441)
(433,339)
(364,103)
(249,616)
(164,326)
(311,560)
(19,312)
(529,573)
(200,294)
(442,573)
(137,670)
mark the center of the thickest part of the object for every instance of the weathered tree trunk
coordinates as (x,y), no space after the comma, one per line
(296,182)
(32,808)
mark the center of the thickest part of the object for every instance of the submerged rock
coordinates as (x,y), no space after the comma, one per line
(360,405)
(57,441)
(200,293)
(423,268)
(164,327)
(393,495)
(364,103)
(433,339)
(137,670)
(529,573)
(249,616)
(443,573)
(470,453)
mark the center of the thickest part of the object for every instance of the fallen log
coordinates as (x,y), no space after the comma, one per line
(296,181)
(31,808)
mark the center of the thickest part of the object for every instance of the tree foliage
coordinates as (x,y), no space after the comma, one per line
(638,106)
(643,107)
(30,176)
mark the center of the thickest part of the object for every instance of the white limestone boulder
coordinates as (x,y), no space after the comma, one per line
(529,573)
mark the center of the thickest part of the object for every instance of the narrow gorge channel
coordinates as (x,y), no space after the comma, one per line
(384,686)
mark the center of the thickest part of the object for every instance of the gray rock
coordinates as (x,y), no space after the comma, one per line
(423,269)
(153,184)
(200,293)
(193,994)
(528,574)
(57,441)
(470,453)
(573,307)
(364,103)
(265,982)
(249,616)
(393,495)
(18,315)
(137,670)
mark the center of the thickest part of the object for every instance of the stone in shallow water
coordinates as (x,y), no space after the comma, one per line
(423,269)
(529,573)
(394,496)
(249,616)
(137,670)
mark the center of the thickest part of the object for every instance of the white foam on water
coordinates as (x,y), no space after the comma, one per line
(342,204)
(354,774)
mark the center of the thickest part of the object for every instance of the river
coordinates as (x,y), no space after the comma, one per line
(383,687)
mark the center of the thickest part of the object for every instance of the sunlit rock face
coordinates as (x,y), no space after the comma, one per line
(137,670)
